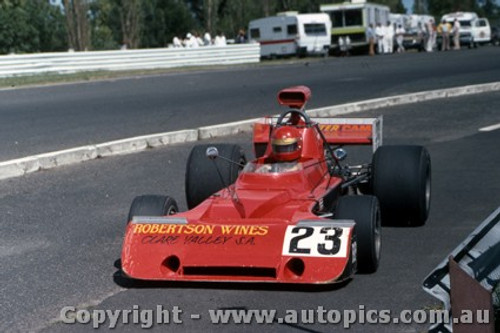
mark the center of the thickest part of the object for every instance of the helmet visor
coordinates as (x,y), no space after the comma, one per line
(288,148)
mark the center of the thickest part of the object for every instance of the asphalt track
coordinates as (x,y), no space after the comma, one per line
(62,231)
(59,117)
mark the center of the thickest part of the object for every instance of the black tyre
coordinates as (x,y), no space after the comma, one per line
(152,205)
(402,183)
(364,210)
(202,178)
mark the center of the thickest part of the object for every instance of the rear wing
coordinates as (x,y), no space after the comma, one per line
(352,131)
(337,131)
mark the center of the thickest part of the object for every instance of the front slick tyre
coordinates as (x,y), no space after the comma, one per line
(152,205)
(364,210)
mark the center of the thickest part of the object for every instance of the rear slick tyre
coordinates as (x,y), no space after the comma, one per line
(402,184)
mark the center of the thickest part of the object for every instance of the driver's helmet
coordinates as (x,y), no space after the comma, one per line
(286,143)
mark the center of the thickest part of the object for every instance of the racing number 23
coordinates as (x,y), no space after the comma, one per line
(315,241)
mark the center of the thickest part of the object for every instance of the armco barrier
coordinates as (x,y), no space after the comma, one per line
(465,280)
(71,62)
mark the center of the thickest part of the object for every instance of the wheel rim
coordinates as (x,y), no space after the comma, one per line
(171,210)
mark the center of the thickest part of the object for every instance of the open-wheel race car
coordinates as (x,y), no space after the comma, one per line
(297,213)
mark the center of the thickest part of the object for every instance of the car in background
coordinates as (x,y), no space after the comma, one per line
(474,30)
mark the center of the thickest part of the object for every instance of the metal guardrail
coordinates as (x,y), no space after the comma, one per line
(468,276)
(72,62)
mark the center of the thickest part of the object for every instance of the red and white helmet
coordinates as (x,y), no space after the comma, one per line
(286,143)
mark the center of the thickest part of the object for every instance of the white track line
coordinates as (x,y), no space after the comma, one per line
(490,128)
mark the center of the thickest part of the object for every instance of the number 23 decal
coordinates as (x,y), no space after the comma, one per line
(316,241)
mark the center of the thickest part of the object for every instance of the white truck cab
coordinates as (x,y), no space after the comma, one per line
(473,29)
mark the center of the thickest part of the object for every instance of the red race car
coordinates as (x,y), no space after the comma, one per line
(298,213)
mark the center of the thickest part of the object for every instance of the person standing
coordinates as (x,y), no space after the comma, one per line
(389,38)
(456,34)
(379,34)
(431,35)
(370,35)
(444,29)
(400,31)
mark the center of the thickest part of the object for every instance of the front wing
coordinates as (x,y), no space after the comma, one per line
(173,248)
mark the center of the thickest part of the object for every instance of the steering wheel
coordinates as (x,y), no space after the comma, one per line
(302,114)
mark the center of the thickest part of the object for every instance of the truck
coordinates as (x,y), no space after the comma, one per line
(291,33)
(352,19)
(473,29)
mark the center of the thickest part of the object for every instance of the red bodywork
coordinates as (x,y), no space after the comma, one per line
(265,227)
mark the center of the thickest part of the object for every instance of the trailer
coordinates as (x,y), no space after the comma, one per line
(291,33)
(352,19)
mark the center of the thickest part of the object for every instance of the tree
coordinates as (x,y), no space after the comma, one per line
(28,26)
(105,25)
(77,24)
(164,19)
(131,17)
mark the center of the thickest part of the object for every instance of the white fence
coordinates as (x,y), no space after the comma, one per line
(72,62)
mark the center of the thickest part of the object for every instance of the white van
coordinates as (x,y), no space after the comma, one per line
(291,33)
(352,20)
(473,30)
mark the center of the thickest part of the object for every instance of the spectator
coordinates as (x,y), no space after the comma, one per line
(198,39)
(444,29)
(190,41)
(220,39)
(344,45)
(389,38)
(176,42)
(370,35)
(400,31)
(241,38)
(456,35)
(379,33)
(421,37)
(431,35)
(207,39)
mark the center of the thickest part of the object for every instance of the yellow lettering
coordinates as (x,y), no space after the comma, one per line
(146,228)
(163,229)
(188,229)
(227,229)
(138,228)
(170,229)
(199,229)
(242,230)
(210,229)
(263,230)
(154,228)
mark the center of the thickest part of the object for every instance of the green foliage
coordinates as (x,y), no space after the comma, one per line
(30,26)
(164,19)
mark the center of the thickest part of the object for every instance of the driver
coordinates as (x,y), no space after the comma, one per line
(286,144)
